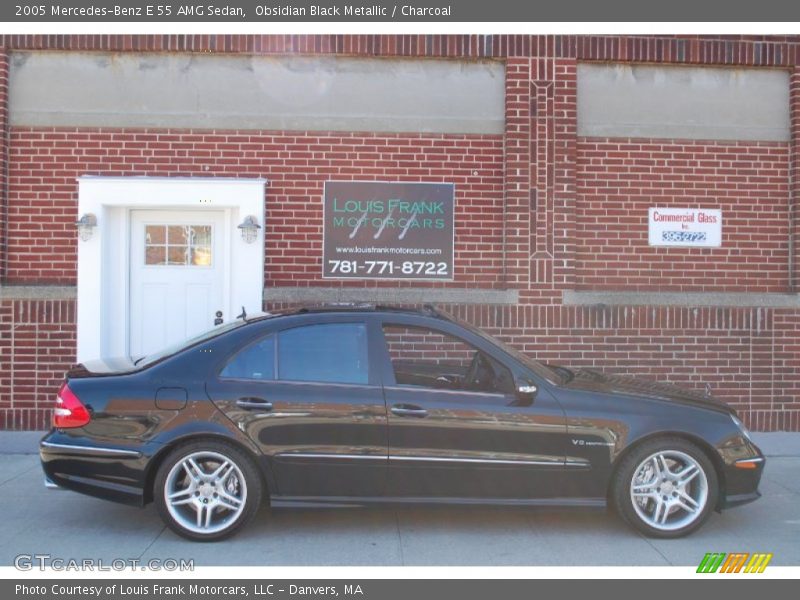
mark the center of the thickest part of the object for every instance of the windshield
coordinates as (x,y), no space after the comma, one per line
(549,373)
(175,348)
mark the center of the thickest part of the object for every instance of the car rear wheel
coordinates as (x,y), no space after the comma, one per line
(666,488)
(207,490)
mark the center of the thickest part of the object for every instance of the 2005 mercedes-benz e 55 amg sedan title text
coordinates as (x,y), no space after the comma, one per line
(356,404)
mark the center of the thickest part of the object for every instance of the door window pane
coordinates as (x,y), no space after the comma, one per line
(178,245)
(429,358)
(256,361)
(332,353)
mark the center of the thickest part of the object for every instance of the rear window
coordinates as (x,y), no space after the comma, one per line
(175,348)
(328,353)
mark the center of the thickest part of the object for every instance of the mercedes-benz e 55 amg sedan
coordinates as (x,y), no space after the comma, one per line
(353,405)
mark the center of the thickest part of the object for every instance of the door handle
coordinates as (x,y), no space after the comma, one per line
(251,403)
(409,410)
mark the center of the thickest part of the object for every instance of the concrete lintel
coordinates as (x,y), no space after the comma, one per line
(392,295)
(731,299)
(217,91)
(37,292)
(308,294)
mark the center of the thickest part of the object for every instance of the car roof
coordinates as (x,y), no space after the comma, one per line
(427,310)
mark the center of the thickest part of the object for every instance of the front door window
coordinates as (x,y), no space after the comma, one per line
(178,245)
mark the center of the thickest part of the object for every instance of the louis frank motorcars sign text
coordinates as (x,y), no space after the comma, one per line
(381,230)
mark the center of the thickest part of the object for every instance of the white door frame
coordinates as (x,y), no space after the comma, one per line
(103,260)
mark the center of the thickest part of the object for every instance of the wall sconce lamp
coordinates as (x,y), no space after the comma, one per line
(86,225)
(249,229)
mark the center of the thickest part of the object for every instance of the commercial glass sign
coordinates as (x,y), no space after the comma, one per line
(381,230)
(692,227)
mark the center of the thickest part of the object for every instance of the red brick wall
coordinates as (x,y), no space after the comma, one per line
(45,162)
(37,344)
(555,193)
(619,179)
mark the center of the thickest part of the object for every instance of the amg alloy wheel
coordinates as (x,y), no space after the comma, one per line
(206,491)
(666,488)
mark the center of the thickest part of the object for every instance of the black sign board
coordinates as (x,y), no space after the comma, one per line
(380,230)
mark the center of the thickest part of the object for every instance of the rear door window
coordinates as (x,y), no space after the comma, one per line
(256,361)
(327,353)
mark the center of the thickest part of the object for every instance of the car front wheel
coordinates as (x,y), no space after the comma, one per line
(207,490)
(666,488)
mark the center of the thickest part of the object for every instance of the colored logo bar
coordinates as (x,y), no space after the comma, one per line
(735,562)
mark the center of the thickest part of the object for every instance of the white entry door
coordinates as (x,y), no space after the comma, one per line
(177,264)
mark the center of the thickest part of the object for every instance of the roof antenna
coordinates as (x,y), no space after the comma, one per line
(243,316)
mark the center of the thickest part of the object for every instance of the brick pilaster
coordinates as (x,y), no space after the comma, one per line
(516,223)
(3,158)
(794,182)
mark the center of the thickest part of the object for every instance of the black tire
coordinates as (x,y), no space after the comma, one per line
(210,454)
(674,526)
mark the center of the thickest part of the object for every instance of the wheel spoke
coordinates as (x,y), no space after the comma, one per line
(680,502)
(644,489)
(225,474)
(209,511)
(656,467)
(192,469)
(663,466)
(184,492)
(229,501)
(200,510)
(687,474)
(685,498)
(661,512)
(183,496)
(225,467)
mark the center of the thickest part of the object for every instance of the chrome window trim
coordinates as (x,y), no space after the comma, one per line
(299,382)
(429,390)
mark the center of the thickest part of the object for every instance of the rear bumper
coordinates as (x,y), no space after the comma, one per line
(107,472)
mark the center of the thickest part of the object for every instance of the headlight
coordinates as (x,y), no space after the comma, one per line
(742,428)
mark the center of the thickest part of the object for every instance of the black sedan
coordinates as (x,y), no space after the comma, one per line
(353,405)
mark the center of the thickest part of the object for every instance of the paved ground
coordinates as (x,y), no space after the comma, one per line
(68,525)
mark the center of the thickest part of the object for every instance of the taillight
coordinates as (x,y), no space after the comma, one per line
(69,412)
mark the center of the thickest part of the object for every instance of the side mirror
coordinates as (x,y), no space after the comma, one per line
(526,392)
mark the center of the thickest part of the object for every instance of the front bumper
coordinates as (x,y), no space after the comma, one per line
(744,467)
(738,500)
